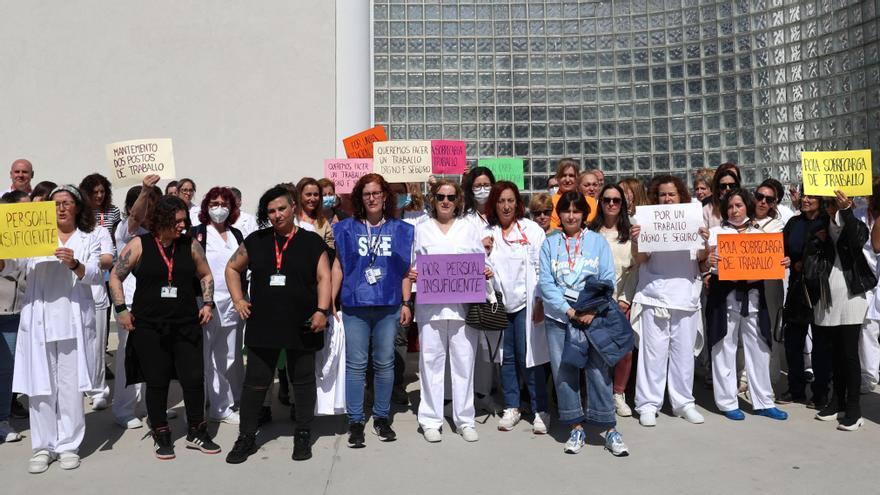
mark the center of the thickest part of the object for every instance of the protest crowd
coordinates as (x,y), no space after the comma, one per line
(581,305)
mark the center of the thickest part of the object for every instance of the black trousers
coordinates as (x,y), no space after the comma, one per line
(846,365)
(261,362)
(795,336)
(165,354)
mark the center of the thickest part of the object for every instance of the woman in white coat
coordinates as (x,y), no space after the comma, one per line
(515,258)
(442,330)
(53,358)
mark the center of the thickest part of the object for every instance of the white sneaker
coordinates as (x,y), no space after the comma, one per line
(509,419)
(576,440)
(432,434)
(867,388)
(621,406)
(691,415)
(7,433)
(648,419)
(468,433)
(99,404)
(541,423)
(231,419)
(130,423)
(39,462)
(68,460)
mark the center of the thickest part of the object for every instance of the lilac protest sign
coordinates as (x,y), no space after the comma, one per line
(451,278)
(448,157)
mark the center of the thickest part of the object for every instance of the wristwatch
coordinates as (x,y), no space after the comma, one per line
(325,312)
(120,308)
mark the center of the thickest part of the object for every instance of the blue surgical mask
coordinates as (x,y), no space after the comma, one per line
(403,201)
(328,201)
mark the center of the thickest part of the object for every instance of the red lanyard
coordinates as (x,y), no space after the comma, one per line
(577,249)
(102,219)
(279,251)
(523,241)
(168,263)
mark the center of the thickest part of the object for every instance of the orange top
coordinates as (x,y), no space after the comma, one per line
(554,218)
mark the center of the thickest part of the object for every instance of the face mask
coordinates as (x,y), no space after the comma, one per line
(218,214)
(403,201)
(554,190)
(737,224)
(328,201)
(481,194)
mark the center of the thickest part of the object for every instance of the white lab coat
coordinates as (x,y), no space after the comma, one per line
(32,367)
(246,223)
(503,263)
(330,370)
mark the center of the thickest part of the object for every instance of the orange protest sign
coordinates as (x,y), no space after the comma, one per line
(750,257)
(361,144)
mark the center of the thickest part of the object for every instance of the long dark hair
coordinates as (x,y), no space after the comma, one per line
(467,186)
(90,182)
(85,219)
(492,202)
(623,224)
(724,170)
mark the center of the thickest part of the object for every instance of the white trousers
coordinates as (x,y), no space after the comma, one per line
(757,364)
(869,352)
(666,359)
(438,339)
(58,421)
(128,402)
(224,366)
(102,390)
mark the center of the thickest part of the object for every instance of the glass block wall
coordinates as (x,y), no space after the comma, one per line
(634,87)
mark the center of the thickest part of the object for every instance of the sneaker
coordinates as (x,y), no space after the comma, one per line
(468,433)
(171,414)
(614,444)
(39,462)
(691,415)
(8,433)
(68,460)
(850,424)
(162,443)
(772,413)
(18,411)
(541,423)
(356,435)
(829,413)
(734,415)
(787,398)
(244,447)
(809,377)
(99,404)
(231,419)
(621,406)
(509,419)
(576,441)
(867,388)
(382,429)
(130,423)
(198,438)
(302,445)
(648,418)
(432,435)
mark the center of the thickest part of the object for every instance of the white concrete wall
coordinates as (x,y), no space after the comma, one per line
(245,89)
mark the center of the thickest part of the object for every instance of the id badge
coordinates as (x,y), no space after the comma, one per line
(277,280)
(169,292)
(571,295)
(373,275)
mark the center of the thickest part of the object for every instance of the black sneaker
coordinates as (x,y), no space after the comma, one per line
(199,439)
(849,423)
(302,445)
(244,447)
(356,435)
(162,443)
(817,403)
(828,413)
(399,396)
(787,398)
(17,410)
(265,416)
(383,430)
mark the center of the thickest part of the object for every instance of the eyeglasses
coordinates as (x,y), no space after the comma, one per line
(446,197)
(769,199)
(538,213)
(727,185)
(64,205)
(374,194)
(607,200)
(186,191)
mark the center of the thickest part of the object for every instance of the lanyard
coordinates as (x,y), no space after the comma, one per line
(168,263)
(102,219)
(577,249)
(523,240)
(279,251)
(373,246)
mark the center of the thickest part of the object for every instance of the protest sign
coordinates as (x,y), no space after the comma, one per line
(402,161)
(506,169)
(672,227)
(345,172)
(451,278)
(826,171)
(28,230)
(750,257)
(361,144)
(448,157)
(131,161)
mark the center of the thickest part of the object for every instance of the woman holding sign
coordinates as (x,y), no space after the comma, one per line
(739,308)
(54,356)
(442,329)
(515,258)
(668,295)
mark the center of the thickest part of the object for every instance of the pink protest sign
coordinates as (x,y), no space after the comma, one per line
(448,157)
(451,278)
(345,172)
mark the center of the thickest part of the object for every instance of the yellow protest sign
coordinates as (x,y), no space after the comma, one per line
(28,230)
(826,171)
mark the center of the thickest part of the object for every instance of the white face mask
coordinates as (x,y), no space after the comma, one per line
(481,194)
(218,214)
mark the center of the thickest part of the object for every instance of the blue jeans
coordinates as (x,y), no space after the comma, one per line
(600,400)
(376,324)
(9,329)
(514,360)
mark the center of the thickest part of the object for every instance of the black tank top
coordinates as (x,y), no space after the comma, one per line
(152,275)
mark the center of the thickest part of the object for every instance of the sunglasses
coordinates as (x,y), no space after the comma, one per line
(611,201)
(446,197)
(769,199)
(729,185)
(538,213)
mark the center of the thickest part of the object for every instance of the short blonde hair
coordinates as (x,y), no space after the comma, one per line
(540,202)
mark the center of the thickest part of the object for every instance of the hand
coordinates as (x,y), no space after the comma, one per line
(786,262)
(538,311)
(150,181)
(412,274)
(65,255)
(714,258)
(125,320)
(585,319)
(704,233)
(795,196)
(843,202)
(205,314)
(432,180)
(488,273)
(244,308)
(319,321)
(488,243)
(634,232)
(624,306)
(405,316)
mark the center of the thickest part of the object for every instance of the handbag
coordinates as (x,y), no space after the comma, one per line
(489,316)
